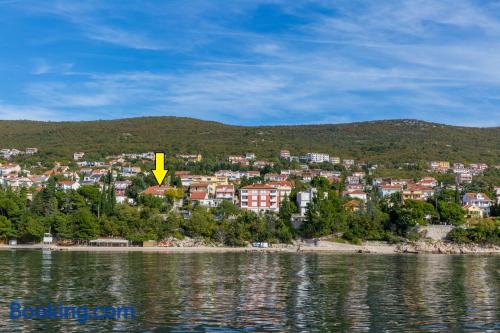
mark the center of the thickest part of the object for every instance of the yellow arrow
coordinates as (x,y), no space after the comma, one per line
(159,170)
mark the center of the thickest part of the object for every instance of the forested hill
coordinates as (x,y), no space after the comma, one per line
(377,141)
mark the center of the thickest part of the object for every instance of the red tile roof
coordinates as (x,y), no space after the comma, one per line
(156,190)
(198,195)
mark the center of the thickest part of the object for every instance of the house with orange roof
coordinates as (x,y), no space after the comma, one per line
(283,186)
(67,185)
(417,192)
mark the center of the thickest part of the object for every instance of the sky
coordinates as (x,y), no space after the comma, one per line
(252,62)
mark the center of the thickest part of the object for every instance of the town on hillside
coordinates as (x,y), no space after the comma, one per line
(298,190)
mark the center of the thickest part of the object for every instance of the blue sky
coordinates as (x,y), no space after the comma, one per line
(252,62)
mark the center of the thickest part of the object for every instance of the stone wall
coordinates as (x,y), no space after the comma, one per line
(435,232)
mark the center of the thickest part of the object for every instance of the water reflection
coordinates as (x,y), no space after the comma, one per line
(257,291)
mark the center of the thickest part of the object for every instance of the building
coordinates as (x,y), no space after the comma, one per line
(353,206)
(238,160)
(9,169)
(348,163)
(387,190)
(262,164)
(157,191)
(304,198)
(473,211)
(78,156)
(440,166)
(417,192)
(284,154)
(463,178)
(497,193)
(31,151)
(430,182)
(201,198)
(479,200)
(283,186)
(260,198)
(250,156)
(356,194)
(317,157)
(67,185)
(191,158)
(335,160)
(225,192)
(275,177)
(130,171)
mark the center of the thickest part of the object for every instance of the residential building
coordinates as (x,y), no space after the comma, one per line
(387,190)
(192,158)
(430,182)
(417,192)
(480,200)
(356,194)
(317,157)
(334,159)
(130,171)
(304,198)
(348,163)
(250,156)
(9,169)
(463,178)
(353,205)
(225,192)
(31,151)
(67,185)
(275,177)
(259,198)
(284,154)
(238,160)
(200,197)
(283,186)
(262,164)
(78,156)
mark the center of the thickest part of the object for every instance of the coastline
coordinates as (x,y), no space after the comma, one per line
(421,247)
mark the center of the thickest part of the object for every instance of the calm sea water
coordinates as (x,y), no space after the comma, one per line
(257,292)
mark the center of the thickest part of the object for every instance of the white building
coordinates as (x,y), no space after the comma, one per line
(478,200)
(463,178)
(78,156)
(317,157)
(304,198)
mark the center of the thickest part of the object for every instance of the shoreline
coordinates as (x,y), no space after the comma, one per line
(322,247)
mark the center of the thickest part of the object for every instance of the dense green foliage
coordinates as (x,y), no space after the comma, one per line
(391,142)
(486,231)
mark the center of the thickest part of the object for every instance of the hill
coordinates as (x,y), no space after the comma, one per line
(377,141)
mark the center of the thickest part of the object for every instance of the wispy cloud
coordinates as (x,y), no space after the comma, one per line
(275,61)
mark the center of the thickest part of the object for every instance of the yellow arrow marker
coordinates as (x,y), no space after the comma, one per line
(159,170)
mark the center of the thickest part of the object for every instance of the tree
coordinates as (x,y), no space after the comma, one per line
(226,209)
(450,213)
(6,229)
(31,229)
(324,216)
(201,223)
(86,226)
(61,225)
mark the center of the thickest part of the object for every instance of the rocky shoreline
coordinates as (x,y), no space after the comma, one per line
(193,246)
(446,247)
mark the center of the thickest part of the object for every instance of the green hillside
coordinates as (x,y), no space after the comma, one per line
(377,141)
